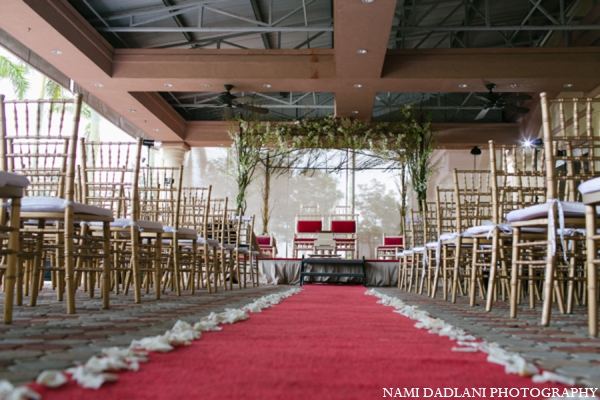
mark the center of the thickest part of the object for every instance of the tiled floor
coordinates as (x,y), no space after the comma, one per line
(563,347)
(45,337)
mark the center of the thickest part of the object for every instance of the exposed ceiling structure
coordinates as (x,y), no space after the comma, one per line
(162,65)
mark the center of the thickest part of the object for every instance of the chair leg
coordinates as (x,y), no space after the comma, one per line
(12,259)
(514,273)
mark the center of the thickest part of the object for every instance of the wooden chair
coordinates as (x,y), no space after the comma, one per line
(417,264)
(245,252)
(430,229)
(344,228)
(517,182)
(215,236)
(160,199)
(571,149)
(590,191)
(267,245)
(473,207)
(11,188)
(194,212)
(107,173)
(41,143)
(307,226)
(392,245)
(446,228)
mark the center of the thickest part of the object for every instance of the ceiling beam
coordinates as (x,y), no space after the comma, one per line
(360,26)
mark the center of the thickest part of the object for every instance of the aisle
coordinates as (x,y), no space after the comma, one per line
(328,342)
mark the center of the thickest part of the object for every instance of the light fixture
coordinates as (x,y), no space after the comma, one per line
(367,1)
(476,151)
(156,129)
(132,111)
(56,51)
(354,112)
(98,85)
(361,51)
(513,85)
(266,85)
(539,142)
(168,85)
(463,85)
(152,143)
(357,85)
(207,85)
(568,85)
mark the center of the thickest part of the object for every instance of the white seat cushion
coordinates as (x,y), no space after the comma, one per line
(480,229)
(57,205)
(407,252)
(212,242)
(419,249)
(10,179)
(591,186)
(126,223)
(183,231)
(431,245)
(570,209)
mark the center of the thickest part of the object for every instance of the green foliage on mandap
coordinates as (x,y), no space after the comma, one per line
(408,144)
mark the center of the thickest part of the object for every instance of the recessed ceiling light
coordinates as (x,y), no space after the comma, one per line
(463,85)
(207,85)
(168,85)
(361,51)
(266,85)
(156,129)
(98,85)
(354,112)
(357,85)
(56,51)
(132,111)
(568,85)
(367,1)
(513,85)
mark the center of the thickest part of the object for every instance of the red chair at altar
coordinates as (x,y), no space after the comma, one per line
(307,227)
(267,245)
(344,228)
(392,245)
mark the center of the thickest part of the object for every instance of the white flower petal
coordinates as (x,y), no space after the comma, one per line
(51,378)
(548,376)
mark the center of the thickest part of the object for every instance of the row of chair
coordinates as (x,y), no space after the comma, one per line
(517,232)
(93,216)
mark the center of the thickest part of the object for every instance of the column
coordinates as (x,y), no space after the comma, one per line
(172,156)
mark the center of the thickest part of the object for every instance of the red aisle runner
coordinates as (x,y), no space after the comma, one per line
(328,342)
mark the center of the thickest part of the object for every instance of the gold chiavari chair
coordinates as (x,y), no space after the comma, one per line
(12,187)
(517,181)
(431,244)
(417,265)
(405,256)
(590,191)
(41,143)
(160,198)
(473,208)
(248,250)
(571,149)
(194,215)
(215,236)
(445,204)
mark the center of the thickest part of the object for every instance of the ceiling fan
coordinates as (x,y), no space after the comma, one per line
(493,100)
(230,101)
